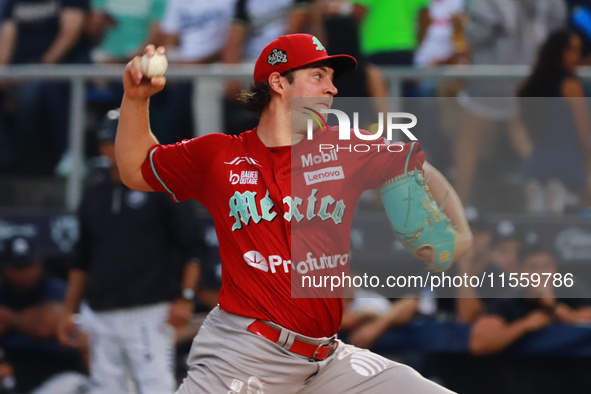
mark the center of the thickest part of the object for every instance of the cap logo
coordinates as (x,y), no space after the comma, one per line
(319,46)
(277,56)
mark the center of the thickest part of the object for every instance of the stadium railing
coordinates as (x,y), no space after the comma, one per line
(209,83)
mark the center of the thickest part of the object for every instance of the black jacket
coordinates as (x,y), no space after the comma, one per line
(133,245)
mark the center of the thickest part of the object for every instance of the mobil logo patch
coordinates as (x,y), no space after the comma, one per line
(323,157)
(324,175)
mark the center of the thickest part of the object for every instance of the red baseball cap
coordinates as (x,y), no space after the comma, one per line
(297,50)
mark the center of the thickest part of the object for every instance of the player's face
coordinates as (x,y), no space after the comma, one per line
(313,82)
(311,87)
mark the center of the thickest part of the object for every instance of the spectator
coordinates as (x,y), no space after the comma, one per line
(31,303)
(360,306)
(504,32)
(389,32)
(123,29)
(468,304)
(119,30)
(199,29)
(342,36)
(580,21)
(48,32)
(559,126)
(389,29)
(256,23)
(43,32)
(500,257)
(400,312)
(443,41)
(533,308)
(137,263)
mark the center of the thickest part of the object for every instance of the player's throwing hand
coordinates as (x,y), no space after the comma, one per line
(135,85)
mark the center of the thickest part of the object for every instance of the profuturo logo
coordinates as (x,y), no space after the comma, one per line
(255,259)
(274,263)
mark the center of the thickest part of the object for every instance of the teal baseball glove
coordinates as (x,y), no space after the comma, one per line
(416,218)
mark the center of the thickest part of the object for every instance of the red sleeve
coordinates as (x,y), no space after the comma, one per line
(182,169)
(379,165)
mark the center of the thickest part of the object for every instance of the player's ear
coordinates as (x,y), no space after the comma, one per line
(276,82)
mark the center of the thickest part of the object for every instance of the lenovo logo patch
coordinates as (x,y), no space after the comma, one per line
(323,175)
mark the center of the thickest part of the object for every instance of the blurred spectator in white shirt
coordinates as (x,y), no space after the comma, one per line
(199,28)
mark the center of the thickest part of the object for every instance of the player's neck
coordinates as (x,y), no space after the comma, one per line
(274,128)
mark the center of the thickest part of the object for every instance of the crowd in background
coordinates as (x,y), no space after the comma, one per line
(487,127)
(488,132)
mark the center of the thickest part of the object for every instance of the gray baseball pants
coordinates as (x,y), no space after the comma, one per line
(226,358)
(131,350)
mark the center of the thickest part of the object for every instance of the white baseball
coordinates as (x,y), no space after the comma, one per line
(154,66)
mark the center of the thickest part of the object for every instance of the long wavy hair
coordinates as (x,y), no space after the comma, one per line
(548,72)
(258,97)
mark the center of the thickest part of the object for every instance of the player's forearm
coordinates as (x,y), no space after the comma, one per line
(71,24)
(76,286)
(134,139)
(443,192)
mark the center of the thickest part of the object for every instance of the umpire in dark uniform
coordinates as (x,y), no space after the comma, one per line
(137,267)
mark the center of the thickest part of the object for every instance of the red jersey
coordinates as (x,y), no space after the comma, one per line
(276,210)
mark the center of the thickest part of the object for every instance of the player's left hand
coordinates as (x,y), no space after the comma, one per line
(180,312)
